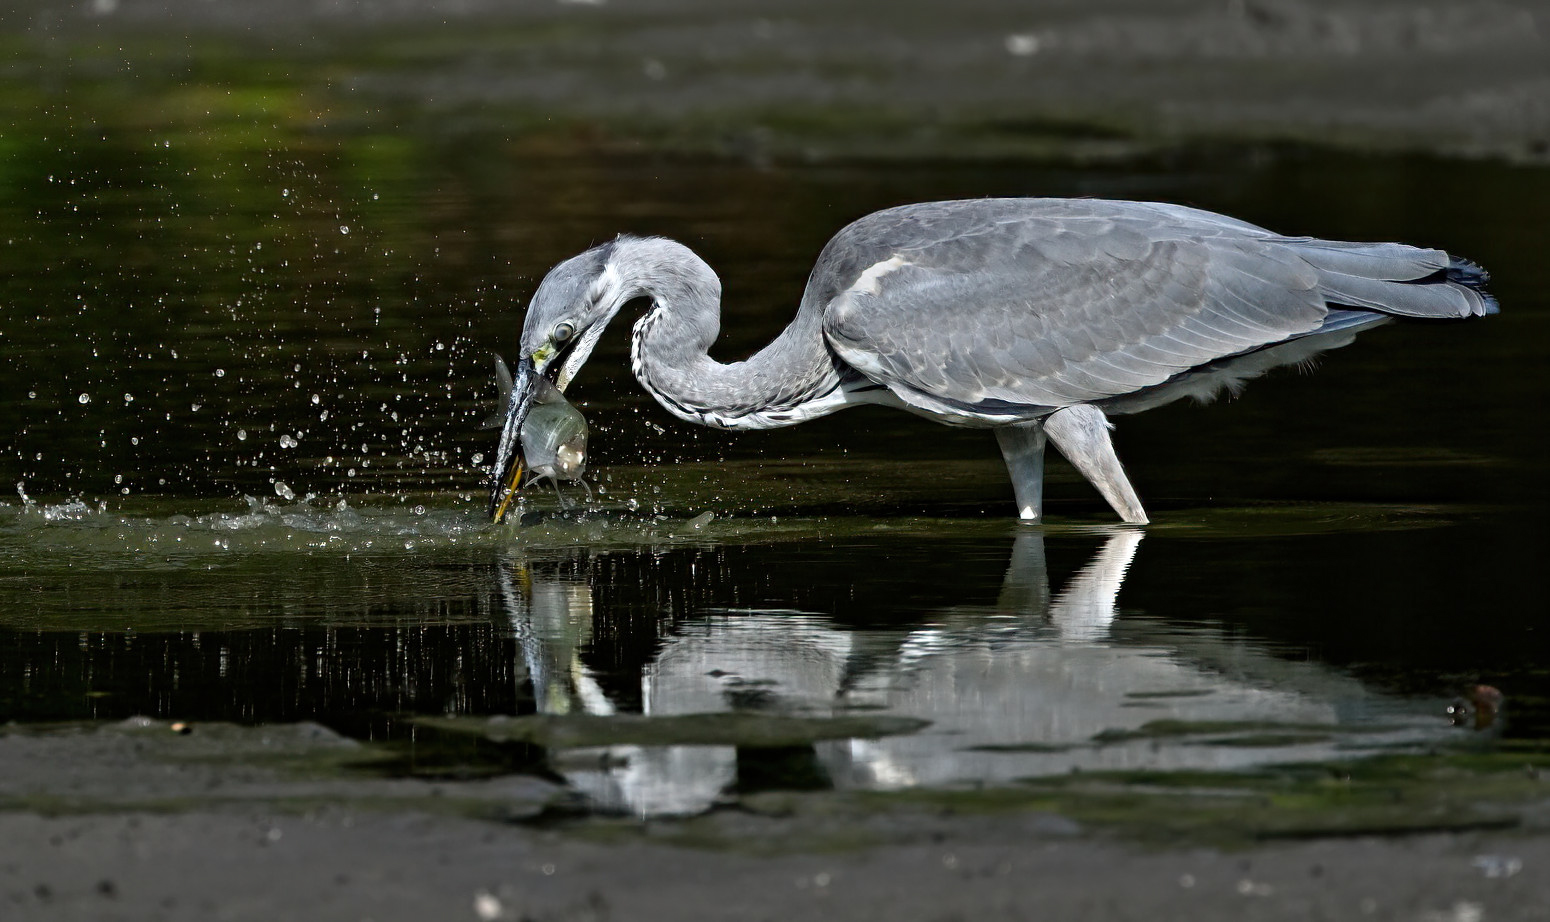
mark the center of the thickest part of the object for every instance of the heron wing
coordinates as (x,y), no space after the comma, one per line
(1011,308)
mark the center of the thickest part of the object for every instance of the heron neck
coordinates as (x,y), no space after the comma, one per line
(670,350)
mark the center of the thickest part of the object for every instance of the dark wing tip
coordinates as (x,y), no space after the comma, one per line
(1473,276)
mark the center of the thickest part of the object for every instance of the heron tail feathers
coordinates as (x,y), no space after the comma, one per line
(1473,276)
(1395,279)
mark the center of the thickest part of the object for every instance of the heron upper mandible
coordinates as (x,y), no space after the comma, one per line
(1035,318)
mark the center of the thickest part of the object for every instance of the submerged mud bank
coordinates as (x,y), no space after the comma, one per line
(793,79)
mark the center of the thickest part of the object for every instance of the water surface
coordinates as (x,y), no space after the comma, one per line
(242,386)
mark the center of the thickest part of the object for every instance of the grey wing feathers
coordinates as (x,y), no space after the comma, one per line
(1010,308)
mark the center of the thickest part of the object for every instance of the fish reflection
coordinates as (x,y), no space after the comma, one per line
(1035,684)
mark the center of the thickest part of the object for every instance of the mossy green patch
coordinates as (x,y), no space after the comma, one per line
(1225,732)
(736,728)
(1390,795)
(1020,747)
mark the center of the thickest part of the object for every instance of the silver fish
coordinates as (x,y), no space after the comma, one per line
(551,443)
(554,436)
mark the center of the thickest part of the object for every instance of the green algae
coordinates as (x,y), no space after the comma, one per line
(1399,794)
(733,728)
(1228,732)
(1450,792)
(1021,747)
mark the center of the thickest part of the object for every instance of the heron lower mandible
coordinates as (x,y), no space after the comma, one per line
(1035,318)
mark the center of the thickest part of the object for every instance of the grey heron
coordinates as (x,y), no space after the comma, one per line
(1035,318)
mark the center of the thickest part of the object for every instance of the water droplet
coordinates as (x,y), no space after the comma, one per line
(419,510)
(344,228)
(220,372)
(316,400)
(242,435)
(283,491)
(129,398)
(478,457)
(287,440)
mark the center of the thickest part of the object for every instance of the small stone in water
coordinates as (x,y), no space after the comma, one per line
(487,906)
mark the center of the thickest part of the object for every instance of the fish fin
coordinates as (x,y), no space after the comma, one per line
(503,383)
(503,379)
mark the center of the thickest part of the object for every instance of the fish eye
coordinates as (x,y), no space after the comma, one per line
(563,331)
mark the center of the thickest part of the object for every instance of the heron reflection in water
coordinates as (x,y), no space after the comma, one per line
(1035,318)
(1014,689)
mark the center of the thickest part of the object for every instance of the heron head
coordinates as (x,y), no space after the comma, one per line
(564,321)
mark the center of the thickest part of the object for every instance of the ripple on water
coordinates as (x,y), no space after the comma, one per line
(171,531)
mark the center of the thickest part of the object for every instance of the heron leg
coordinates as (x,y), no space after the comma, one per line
(1082,435)
(1023,448)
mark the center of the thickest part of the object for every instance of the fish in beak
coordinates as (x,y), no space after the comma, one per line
(541,434)
(554,437)
(516,402)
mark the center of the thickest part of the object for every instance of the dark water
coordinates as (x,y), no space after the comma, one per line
(242,381)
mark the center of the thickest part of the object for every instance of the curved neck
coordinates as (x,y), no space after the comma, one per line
(669,354)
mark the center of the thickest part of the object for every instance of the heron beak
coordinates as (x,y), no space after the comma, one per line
(506,475)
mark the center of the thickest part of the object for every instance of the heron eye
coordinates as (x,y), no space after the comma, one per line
(563,332)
